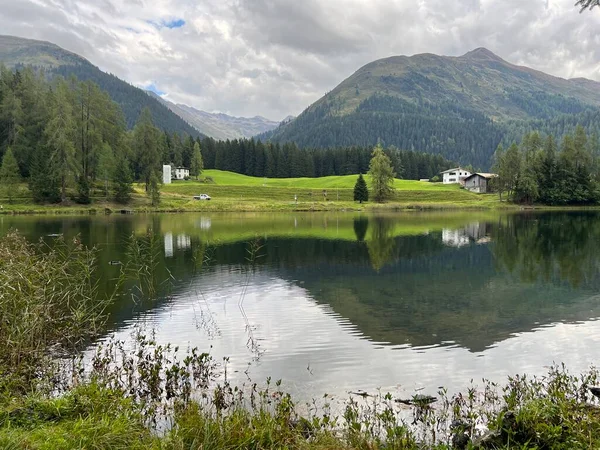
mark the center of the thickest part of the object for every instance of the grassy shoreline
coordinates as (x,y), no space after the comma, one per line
(140,206)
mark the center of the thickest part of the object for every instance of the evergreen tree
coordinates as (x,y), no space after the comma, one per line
(59,133)
(382,175)
(548,173)
(146,145)
(176,151)
(154,189)
(9,174)
(188,152)
(508,166)
(197,166)
(83,190)
(526,188)
(106,166)
(122,180)
(11,114)
(361,192)
(43,182)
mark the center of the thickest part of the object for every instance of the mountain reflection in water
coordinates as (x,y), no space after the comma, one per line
(334,302)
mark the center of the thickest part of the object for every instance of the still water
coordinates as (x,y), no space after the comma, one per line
(332,303)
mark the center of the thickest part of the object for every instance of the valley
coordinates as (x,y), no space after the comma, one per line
(324,225)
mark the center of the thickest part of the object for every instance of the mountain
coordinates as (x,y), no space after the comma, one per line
(219,126)
(460,107)
(17,52)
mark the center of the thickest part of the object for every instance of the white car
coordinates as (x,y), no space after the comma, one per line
(202,197)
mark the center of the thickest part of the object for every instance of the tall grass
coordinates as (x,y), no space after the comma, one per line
(49,305)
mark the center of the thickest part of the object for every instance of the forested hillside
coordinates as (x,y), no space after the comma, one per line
(459,107)
(18,53)
(273,160)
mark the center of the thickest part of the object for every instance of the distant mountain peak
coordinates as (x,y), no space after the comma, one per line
(458,106)
(482,53)
(219,125)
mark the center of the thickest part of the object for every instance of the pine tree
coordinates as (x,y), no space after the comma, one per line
(146,140)
(154,189)
(11,113)
(106,166)
(43,182)
(382,175)
(83,190)
(361,191)
(509,168)
(197,166)
(59,132)
(9,174)
(122,180)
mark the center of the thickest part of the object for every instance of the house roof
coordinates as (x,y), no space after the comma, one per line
(454,170)
(485,175)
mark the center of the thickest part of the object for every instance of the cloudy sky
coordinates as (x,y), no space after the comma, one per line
(275,57)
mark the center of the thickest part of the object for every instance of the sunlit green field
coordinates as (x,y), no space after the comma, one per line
(223,178)
(235,192)
(335,192)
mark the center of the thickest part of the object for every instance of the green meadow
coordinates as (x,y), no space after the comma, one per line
(230,191)
(234,192)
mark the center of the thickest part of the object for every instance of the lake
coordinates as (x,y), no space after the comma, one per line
(333,303)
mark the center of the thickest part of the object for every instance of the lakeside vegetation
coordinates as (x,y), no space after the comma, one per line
(120,398)
(540,171)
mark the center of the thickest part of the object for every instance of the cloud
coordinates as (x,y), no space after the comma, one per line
(275,57)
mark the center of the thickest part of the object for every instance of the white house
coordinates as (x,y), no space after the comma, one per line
(181,173)
(456,175)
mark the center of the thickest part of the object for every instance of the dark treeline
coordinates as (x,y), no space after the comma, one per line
(274,160)
(542,170)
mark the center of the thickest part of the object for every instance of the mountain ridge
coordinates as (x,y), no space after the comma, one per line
(461,107)
(219,125)
(463,66)
(18,52)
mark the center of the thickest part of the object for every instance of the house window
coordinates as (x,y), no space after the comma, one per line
(452,174)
